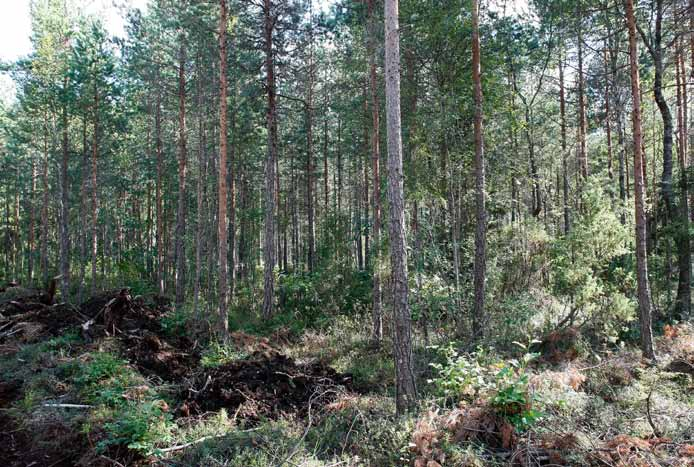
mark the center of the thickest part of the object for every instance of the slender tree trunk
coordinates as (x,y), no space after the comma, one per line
(64,207)
(222,177)
(294,213)
(159,201)
(32,223)
(95,188)
(180,253)
(365,175)
(582,151)
(310,206)
(339,167)
(666,115)
(84,195)
(326,192)
(683,306)
(17,258)
(269,237)
(278,217)
(564,161)
(44,205)
(357,202)
(644,293)
(478,317)
(405,382)
(671,214)
(202,176)
(608,126)
(231,176)
(623,169)
(377,313)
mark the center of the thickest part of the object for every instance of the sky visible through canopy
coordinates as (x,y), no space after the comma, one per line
(15,26)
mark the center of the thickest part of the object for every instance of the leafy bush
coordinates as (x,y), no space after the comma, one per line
(482,376)
(131,412)
(591,266)
(140,426)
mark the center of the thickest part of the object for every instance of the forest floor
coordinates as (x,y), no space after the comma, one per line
(122,380)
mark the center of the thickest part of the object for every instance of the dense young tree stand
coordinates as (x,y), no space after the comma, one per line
(332,211)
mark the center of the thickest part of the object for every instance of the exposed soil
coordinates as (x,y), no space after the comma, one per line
(18,448)
(169,359)
(267,384)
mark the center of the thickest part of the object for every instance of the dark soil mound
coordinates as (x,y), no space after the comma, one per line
(171,360)
(117,312)
(267,385)
(27,315)
(136,323)
(41,321)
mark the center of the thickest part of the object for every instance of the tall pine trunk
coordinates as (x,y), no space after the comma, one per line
(180,252)
(64,206)
(377,313)
(222,178)
(44,204)
(310,191)
(405,394)
(582,151)
(644,293)
(478,317)
(158,195)
(269,192)
(683,306)
(564,161)
(95,188)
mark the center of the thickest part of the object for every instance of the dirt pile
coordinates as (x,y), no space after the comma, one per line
(27,315)
(264,384)
(267,385)
(152,354)
(136,322)
(117,312)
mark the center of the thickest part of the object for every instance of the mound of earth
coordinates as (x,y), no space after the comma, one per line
(117,312)
(39,321)
(170,360)
(27,315)
(267,385)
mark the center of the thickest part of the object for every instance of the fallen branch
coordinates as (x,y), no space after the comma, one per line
(183,446)
(69,406)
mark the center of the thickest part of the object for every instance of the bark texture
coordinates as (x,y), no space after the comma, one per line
(269,234)
(478,317)
(222,178)
(405,382)
(644,293)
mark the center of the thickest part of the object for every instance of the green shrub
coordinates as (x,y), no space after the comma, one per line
(104,379)
(482,376)
(141,426)
(592,267)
